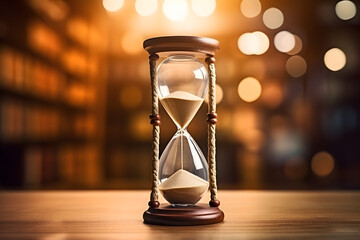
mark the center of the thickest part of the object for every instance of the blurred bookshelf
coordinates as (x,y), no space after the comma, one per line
(75,96)
(52,87)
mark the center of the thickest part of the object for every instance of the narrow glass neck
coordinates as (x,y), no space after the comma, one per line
(181,131)
(179,127)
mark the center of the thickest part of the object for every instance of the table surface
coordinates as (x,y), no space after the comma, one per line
(58,215)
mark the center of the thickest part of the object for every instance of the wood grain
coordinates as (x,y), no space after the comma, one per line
(118,215)
(198,46)
(200,214)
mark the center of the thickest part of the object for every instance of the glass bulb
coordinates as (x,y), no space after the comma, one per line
(183,174)
(183,83)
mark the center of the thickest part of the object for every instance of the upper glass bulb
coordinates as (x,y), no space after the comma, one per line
(183,82)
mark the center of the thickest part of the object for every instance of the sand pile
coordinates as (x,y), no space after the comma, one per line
(181,106)
(183,187)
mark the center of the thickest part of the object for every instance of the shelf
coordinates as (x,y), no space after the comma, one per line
(31,53)
(41,100)
(49,106)
(48,142)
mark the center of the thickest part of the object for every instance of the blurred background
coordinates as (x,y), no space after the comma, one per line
(75,92)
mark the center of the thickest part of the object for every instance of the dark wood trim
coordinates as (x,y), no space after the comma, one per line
(201,214)
(203,45)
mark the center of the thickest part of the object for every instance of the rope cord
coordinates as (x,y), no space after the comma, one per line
(211,130)
(156,129)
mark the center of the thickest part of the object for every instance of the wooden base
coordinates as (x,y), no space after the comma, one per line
(200,214)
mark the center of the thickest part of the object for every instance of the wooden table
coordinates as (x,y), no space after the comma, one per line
(59,215)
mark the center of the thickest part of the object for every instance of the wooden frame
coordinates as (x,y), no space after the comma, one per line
(200,47)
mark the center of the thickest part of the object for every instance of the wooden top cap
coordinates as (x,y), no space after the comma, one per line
(173,44)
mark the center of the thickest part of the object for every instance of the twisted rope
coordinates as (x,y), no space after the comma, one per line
(211,132)
(154,196)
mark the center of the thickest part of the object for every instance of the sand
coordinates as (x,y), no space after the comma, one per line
(181,106)
(183,187)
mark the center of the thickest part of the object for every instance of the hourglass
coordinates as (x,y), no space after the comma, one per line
(182,174)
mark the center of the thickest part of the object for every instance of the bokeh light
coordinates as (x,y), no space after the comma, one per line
(273,18)
(203,8)
(249,89)
(250,8)
(255,43)
(296,66)
(335,59)
(298,46)
(345,10)
(146,7)
(247,43)
(322,164)
(284,41)
(113,5)
(175,10)
(262,41)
